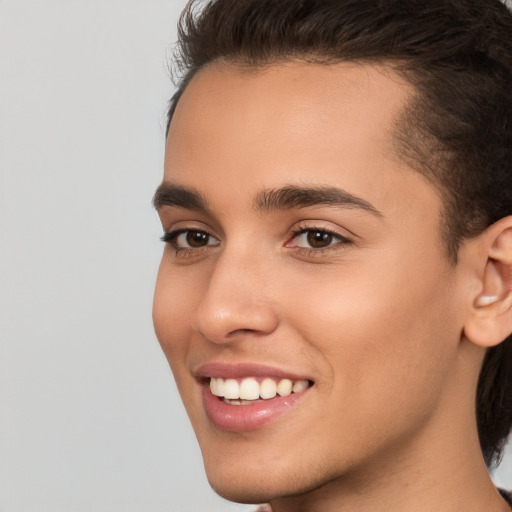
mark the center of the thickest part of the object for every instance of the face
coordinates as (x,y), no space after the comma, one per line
(304,278)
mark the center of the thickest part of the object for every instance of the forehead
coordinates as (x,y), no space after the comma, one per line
(291,123)
(300,101)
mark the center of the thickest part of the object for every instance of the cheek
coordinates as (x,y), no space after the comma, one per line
(172,305)
(387,337)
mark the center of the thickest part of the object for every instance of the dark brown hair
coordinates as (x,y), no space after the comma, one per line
(457,130)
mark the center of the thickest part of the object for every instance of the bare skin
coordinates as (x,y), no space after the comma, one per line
(358,294)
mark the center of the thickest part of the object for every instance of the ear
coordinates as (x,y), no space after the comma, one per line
(490,318)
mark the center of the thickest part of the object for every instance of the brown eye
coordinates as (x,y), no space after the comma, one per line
(319,239)
(196,238)
(189,239)
(316,240)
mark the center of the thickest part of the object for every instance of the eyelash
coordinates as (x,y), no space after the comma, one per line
(306,228)
(172,236)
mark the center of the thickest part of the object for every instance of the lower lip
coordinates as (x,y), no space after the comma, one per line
(242,418)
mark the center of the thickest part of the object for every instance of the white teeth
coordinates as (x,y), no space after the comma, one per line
(268,389)
(217,387)
(284,388)
(250,389)
(231,389)
(300,385)
(238,402)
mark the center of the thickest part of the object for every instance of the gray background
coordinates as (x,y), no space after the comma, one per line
(89,416)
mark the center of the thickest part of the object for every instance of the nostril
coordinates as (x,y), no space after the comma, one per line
(246,333)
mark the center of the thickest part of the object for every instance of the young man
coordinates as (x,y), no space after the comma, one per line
(335,294)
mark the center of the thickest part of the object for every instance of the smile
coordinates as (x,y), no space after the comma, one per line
(250,389)
(245,397)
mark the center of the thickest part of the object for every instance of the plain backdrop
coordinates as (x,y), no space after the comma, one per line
(89,416)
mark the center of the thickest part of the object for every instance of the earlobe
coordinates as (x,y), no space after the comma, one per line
(490,318)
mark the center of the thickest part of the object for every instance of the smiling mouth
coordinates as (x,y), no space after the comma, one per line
(251,390)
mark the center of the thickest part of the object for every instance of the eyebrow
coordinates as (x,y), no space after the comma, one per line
(292,197)
(169,194)
(285,198)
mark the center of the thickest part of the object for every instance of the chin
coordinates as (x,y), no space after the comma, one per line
(250,491)
(248,482)
(240,479)
(247,496)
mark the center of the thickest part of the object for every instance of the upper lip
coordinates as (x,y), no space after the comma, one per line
(241,370)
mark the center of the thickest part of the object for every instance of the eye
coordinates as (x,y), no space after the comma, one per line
(189,239)
(315,239)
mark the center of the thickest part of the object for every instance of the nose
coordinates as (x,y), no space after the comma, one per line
(237,301)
